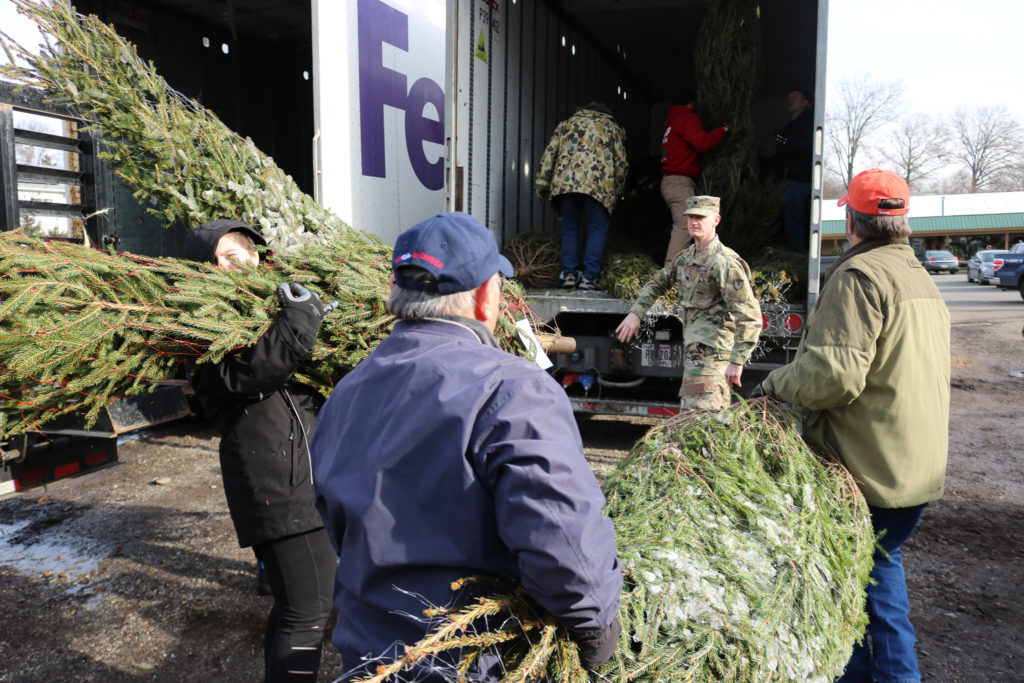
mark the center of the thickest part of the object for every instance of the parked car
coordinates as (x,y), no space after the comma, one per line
(980,267)
(938,260)
(1009,267)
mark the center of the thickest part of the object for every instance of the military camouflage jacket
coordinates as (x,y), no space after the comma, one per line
(718,307)
(586,154)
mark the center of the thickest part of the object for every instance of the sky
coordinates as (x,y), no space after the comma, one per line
(946,52)
(17,26)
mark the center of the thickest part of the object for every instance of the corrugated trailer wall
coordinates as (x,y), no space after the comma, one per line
(522,68)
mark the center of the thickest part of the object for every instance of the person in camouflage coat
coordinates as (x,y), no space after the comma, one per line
(583,171)
(721,316)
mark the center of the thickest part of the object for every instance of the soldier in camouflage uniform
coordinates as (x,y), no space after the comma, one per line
(721,316)
(583,170)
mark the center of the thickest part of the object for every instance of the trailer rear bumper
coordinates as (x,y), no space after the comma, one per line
(40,459)
(602,406)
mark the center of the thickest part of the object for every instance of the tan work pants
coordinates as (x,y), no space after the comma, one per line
(676,189)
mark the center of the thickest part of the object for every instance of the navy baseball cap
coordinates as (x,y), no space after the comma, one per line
(459,253)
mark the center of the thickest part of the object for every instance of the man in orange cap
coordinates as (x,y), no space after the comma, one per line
(873,372)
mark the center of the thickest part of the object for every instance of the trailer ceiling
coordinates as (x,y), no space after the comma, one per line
(280,21)
(658,38)
(250,62)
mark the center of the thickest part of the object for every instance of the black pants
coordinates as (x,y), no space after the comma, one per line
(301,572)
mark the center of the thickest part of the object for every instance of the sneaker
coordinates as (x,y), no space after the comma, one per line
(569,280)
(587,283)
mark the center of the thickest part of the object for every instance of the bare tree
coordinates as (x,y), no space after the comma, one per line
(956,182)
(31,155)
(861,108)
(919,147)
(988,145)
(832,187)
(1012,180)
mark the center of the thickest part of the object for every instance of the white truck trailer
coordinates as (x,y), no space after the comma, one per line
(391,110)
(433,105)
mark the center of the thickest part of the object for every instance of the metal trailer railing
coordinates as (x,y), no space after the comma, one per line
(67,448)
(88,182)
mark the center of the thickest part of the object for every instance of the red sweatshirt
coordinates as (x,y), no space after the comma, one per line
(684,138)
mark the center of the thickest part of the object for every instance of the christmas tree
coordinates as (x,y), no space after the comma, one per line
(80,328)
(179,158)
(745,557)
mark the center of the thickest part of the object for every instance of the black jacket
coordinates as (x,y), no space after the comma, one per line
(264,420)
(794,147)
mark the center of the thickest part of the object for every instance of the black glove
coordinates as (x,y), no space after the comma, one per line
(597,646)
(758,391)
(302,310)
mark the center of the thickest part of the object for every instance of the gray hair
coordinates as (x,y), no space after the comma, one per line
(888,228)
(413,304)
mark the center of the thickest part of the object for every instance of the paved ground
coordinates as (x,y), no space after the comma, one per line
(115,577)
(971,302)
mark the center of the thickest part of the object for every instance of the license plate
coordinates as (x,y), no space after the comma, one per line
(661,356)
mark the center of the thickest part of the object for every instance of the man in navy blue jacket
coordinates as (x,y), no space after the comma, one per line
(441,456)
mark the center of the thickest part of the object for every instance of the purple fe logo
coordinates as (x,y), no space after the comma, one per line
(379,87)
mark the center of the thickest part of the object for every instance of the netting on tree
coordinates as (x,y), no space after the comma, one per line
(745,557)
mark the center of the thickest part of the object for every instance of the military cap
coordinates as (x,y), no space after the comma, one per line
(702,205)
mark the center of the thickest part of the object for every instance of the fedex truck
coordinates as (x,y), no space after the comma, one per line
(388,111)
(429,105)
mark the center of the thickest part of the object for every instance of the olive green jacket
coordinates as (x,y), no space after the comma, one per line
(873,369)
(719,309)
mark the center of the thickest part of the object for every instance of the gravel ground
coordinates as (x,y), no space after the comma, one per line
(115,577)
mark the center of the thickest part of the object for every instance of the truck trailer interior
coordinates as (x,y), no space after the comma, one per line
(250,62)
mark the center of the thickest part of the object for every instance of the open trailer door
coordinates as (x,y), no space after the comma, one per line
(378,70)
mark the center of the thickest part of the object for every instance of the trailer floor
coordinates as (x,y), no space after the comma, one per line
(114,577)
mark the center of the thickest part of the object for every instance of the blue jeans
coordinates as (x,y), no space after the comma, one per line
(796,211)
(573,207)
(886,654)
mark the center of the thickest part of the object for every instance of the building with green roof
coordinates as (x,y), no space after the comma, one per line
(974,221)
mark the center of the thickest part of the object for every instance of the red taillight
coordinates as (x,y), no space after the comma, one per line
(66,470)
(931,258)
(654,411)
(29,478)
(794,322)
(95,458)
